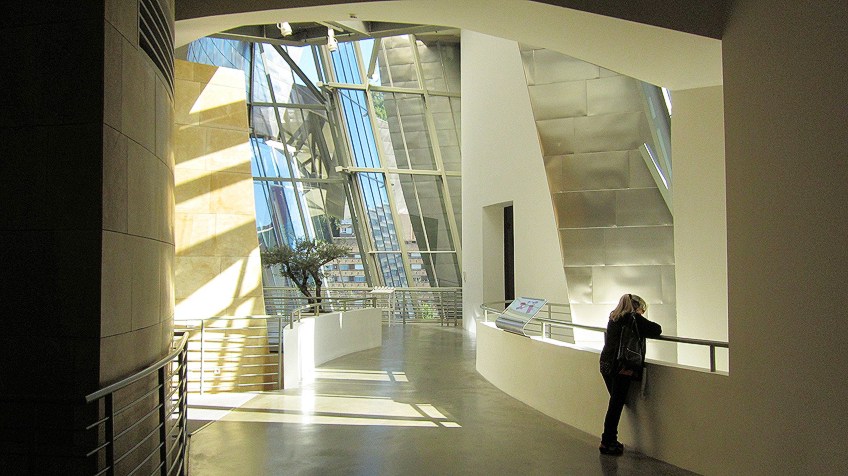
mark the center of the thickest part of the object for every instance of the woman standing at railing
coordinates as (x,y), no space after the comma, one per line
(630,308)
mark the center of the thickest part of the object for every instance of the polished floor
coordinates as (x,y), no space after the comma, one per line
(415,406)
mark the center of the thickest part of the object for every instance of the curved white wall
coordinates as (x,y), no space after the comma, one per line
(677,419)
(315,340)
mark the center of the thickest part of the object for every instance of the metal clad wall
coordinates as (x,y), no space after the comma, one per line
(616,232)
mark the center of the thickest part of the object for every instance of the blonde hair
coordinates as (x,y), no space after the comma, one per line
(627,304)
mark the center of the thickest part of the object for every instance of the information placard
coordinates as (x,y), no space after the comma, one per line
(518,314)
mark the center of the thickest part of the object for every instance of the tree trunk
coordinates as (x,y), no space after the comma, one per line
(318,284)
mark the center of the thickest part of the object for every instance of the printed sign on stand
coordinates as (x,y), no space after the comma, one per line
(519,313)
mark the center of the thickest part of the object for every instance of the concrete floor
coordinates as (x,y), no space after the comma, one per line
(415,406)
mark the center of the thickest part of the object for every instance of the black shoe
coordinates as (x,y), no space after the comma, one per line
(613,449)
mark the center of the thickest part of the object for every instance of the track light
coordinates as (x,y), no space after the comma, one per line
(332,43)
(285,28)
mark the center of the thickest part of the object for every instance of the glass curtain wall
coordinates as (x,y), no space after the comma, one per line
(358,146)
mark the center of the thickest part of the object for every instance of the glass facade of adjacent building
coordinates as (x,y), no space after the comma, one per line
(358,146)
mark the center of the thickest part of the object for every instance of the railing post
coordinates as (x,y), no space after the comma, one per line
(184,410)
(441,309)
(712,358)
(280,353)
(202,345)
(163,429)
(109,409)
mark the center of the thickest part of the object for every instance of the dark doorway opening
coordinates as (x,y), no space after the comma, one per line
(509,256)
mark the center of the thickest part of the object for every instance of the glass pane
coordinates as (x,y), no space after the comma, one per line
(345,64)
(391,268)
(278,217)
(396,63)
(362,142)
(447,130)
(304,57)
(426,207)
(263,120)
(366,48)
(260,79)
(380,220)
(220,52)
(268,160)
(420,277)
(455,190)
(409,143)
(446,268)
(305,133)
(289,87)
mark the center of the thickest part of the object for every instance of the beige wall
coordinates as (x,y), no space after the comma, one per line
(700,231)
(218,270)
(137,301)
(787,169)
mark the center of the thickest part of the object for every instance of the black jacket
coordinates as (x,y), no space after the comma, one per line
(612,338)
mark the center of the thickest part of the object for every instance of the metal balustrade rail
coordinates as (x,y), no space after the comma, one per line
(227,353)
(324,305)
(544,323)
(142,419)
(442,305)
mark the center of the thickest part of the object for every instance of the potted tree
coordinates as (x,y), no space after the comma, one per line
(302,264)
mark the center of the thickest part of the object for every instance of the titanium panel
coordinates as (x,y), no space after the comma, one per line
(434,78)
(447,137)
(443,121)
(451,158)
(651,245)
(556,136)
(428,54)
(582,246)
(597,171)
(592,315)
(640,176)
(610,282)
(439,105)
(613,95)
(399,51)
(640,207)
(585,209)
(422,158)
(607,132)
(557,100)
(545,66)
(579,284)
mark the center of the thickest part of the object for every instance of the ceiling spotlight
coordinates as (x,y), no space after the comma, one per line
(285,28)
(332,43)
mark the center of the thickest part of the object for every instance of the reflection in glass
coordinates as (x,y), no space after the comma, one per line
(298,140)
(408,140)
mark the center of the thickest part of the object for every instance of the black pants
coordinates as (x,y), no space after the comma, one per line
(617,386)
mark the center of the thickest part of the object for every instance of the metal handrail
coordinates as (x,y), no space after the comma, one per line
(318,307)
(419,304)
(712,344)
(167,399)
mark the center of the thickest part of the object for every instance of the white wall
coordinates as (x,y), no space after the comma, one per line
(502,163)
(316,340)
